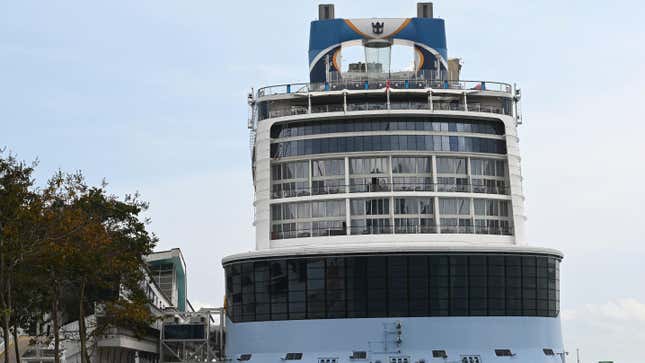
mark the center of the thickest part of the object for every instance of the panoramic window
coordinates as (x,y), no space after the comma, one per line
(414,215)
(328,287)
(290,179)
(455,215)
(328,176)
(429,125)
(488,176)
(492,216)
(452,175)
(370,216)
(369,174)
(308,219)
(409,215)
(412,174)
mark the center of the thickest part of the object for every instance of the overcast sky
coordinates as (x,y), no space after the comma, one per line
(152,96)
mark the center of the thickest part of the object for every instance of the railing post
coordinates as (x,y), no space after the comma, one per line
(435,200)
(344,100)
(465,101)
(387,96)
(308,102)
(430,100)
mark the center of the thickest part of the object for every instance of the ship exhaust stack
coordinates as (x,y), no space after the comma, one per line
(424,10)
(325,11)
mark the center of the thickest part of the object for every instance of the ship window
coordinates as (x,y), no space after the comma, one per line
(293,356)
(307,219)
(392,286)
(244,357)
(418,124)
(361,354)
(387,143)
(503,353)
(439,354)
(548,351)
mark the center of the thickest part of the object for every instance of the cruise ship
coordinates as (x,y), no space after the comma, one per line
(389,211)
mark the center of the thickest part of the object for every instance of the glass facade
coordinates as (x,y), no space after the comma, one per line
(388,173)
(290,179)
(488,176)
(327,176)
(370,216)
(412,174)
(391,215)
(452,175)
(295,129)
(369,174)
(395,285)
(387,143)
(308,219)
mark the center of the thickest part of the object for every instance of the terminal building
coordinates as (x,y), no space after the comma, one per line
(389,211)
(179,333)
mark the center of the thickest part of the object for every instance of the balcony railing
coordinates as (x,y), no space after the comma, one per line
(309,232)
(294,110)
(389,187)
(304,88)
(372,230)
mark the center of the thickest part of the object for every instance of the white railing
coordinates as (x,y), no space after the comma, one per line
(375,106)
(304,88)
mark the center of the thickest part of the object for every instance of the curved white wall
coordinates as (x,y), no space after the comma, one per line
(263,187)
(526,337)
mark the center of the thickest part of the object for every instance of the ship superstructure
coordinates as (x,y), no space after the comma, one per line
(389,212)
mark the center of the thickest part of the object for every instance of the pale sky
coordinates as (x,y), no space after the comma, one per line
(151,95)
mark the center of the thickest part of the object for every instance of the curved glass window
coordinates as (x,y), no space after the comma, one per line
(372,216)
(412,173)
(328,176)
(308,219)
(488,176)
(410,124)
(372,174)
(328,287)
(387,143)
(290,179)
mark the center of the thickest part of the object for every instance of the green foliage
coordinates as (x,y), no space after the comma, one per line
(70,234)
(129,313)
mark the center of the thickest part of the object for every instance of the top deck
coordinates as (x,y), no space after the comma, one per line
(396,84)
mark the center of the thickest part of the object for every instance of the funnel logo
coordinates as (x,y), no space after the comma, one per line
(377,28)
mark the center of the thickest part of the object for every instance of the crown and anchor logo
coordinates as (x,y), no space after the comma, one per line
(377,28)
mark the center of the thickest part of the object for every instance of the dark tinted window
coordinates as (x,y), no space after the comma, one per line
(387,143)
(184,331)
(393,286)
(503,353)
(439,354)
(362,125)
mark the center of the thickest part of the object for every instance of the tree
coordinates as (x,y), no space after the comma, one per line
(108,251)
(62,221)
(69,235)
(19,211)
(96,242)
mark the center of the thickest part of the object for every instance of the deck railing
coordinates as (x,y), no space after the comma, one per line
(395,84)
(389,187)
(294,110)
(389,229)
